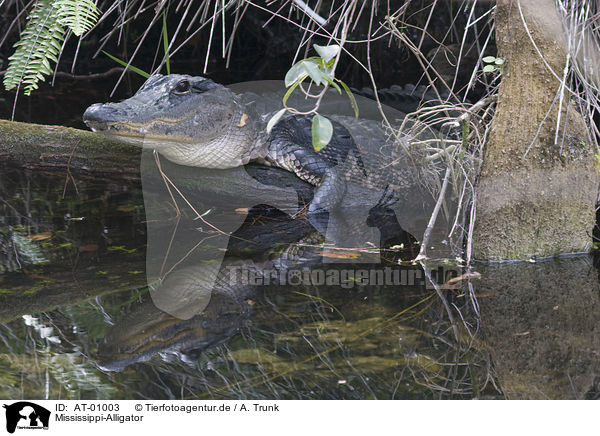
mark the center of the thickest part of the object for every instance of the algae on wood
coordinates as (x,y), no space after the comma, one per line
(82,153)
(57,148)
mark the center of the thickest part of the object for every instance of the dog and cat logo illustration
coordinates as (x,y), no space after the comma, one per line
(26,415)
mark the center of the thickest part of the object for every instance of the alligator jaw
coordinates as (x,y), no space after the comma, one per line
(136,134)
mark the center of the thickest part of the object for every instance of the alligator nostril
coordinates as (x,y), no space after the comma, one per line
(102,113)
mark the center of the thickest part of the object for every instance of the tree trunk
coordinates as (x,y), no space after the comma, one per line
(537,188)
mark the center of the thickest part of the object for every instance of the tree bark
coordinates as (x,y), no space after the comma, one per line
(537,188)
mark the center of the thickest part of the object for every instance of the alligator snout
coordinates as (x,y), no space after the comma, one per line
(93,113)
(99,115)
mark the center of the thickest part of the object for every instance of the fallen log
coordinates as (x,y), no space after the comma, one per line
(86,154)
(56,148)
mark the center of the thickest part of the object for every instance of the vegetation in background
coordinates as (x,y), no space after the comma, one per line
(492,63)
(42,39)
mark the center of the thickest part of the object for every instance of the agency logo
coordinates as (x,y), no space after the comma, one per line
(26,415)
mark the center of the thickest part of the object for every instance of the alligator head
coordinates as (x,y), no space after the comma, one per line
(190,120)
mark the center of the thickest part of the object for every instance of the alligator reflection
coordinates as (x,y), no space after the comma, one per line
(219,239)
(201,265)
(201,295)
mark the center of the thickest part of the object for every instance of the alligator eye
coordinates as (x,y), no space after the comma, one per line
(183,87)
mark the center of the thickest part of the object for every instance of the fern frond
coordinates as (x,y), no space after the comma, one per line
(78,15)
(40,43)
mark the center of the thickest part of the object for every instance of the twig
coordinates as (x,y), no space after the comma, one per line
(210,37)
(441,296)
(562,92)
(308,11)
(422,252)
(471,225)
(477,106)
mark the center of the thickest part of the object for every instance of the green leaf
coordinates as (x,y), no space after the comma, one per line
(350,96)
(294,74)
(489,59)
(41,41)
(329,80)
(499,61)
(329,71)
(78,15)
(327,52)
(313,71)
(165,38)
(130,67)
(489,69)
(294,86)
(322,131)
(274,119)
(301,69)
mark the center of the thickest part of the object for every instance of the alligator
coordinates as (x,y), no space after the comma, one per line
(194,121)
(408,98)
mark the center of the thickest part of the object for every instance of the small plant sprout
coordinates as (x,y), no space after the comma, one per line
(320,70)
(493,64)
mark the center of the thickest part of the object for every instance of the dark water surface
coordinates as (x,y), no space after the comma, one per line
(78,319)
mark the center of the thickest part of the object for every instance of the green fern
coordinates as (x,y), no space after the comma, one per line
(42,38)
(40,43)
(78,15)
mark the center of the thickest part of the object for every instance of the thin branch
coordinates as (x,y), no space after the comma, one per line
(308,11)
(423,251)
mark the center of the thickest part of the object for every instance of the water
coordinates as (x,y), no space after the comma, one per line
(79,320)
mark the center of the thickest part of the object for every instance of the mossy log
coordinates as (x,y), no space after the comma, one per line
(55,148)
(86,154)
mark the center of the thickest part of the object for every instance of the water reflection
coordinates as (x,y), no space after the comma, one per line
(80,322)
(204,297)
(541,322)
